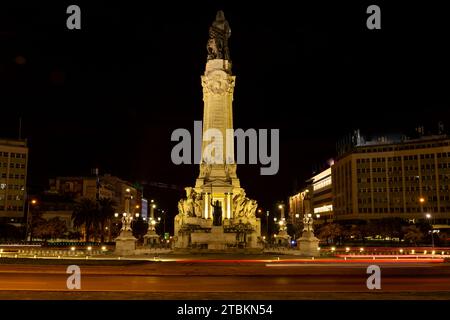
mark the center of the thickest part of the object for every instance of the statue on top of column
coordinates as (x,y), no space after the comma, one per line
(219,32)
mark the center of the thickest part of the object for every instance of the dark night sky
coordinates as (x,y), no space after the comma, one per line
(111,94)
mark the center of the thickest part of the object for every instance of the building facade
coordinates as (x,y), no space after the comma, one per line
(108,186)
(322,196)
(13,180)
(393,178)
(319,191)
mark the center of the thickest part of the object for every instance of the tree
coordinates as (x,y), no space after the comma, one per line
(412,234)
(36,220)
(106,214)
(85,215)
(353,232)
(74,235)
(330,231)
(50,229)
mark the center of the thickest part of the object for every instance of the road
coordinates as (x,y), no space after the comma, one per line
(188,280)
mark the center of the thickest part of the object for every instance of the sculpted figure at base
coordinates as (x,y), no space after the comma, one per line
(239,204)
(192,205)
(243,206)
(250,208)
(198,204)
(217,213)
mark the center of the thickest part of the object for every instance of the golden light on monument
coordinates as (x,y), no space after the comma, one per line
(216,214)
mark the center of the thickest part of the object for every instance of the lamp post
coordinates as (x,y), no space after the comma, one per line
(297,216)
(421,202)
(152,211)
(116,217)
(281,207)
(428,216)
(29,228)
(267,224)
(164,222)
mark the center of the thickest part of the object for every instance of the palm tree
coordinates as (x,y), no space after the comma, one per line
(106,213)
(85,214)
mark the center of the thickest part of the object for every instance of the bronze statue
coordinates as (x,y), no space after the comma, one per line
(217,213)
(219,33)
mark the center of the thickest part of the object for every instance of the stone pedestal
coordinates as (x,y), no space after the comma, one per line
(151,238)
(125,244)
(283,238)
(217,239)
(308,244)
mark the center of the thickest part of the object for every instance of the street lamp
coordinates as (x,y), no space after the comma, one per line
(421,202)
(428,216)
(164,222)
(152,211)
(267,224)
(281,207)
(30,218)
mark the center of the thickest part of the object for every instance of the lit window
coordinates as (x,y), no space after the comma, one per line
(325,208)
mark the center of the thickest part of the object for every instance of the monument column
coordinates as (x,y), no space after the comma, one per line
(217,180)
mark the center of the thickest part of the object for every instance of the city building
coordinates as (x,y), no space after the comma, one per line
(322,196)
(56,206)
(393,177)
(144,208)
(107,186)
(13,180)
(319,192)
